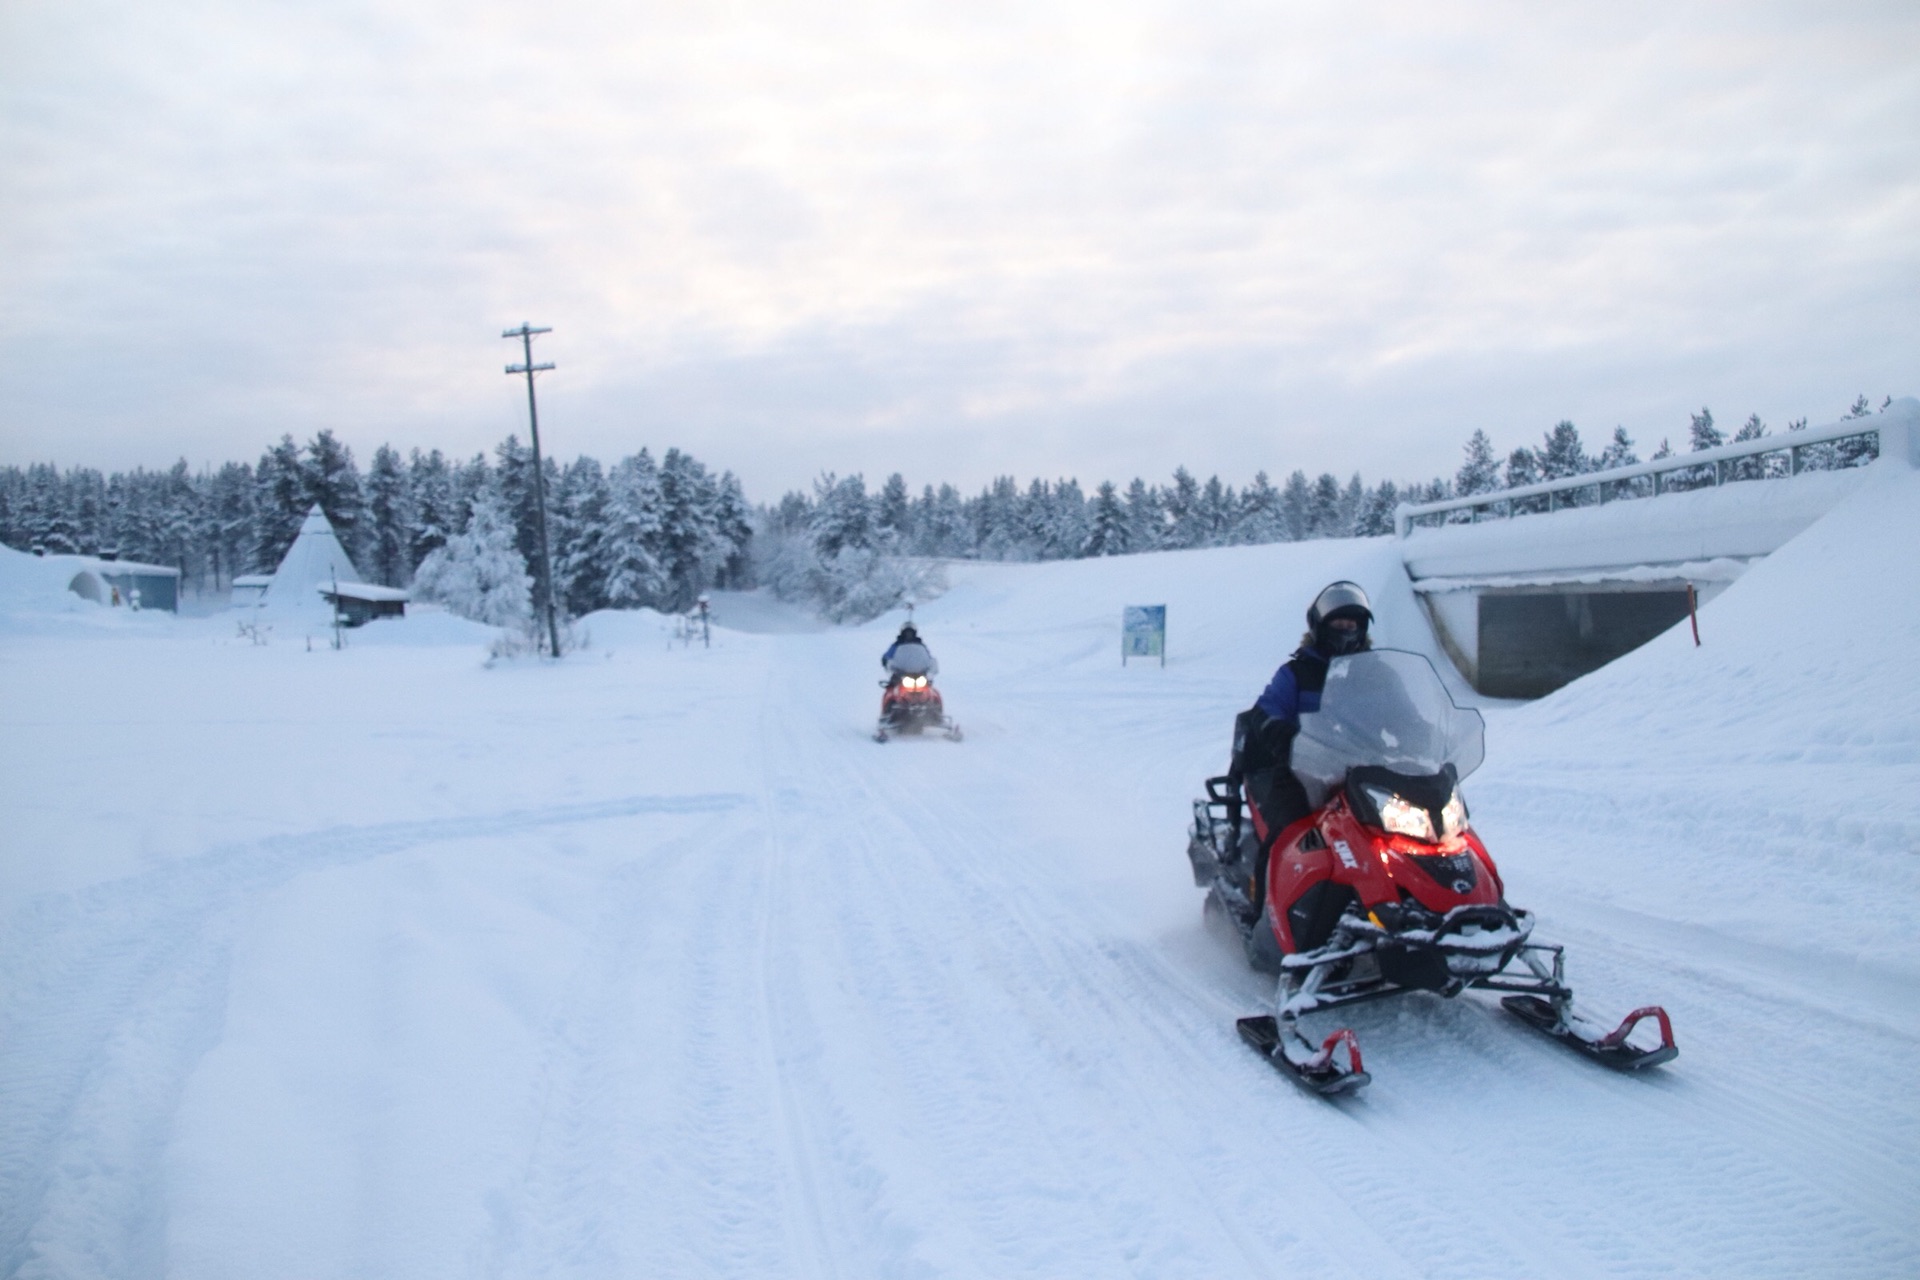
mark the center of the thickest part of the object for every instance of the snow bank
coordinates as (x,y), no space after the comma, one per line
(1736,521)
(424,625)
(1766,784)
(38,584)
(1233,614)
(36,597)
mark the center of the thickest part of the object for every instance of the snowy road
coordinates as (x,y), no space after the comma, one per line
(385,963)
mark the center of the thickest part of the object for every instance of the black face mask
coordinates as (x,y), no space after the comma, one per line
(1336,643)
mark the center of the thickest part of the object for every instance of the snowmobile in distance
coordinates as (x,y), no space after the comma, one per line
(1384,888)
(911,704)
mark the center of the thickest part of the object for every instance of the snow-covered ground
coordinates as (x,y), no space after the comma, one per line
(387,961)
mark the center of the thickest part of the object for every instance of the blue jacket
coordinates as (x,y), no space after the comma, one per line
(1286,695)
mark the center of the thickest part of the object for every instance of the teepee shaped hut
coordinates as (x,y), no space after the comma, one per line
(315,560)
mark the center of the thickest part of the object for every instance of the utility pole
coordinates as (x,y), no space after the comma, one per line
(525,333)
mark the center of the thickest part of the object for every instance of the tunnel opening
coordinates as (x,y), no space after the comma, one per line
(1532,642)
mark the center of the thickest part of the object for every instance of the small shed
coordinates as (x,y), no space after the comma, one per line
(358,603)
(249,589)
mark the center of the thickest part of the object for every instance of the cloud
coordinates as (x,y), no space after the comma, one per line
(1059,239)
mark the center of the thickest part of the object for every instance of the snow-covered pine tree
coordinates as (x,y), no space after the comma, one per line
(389,557)
(280,503)
(1479,469)
(735,520)
(176,522)
(691,548)
(1323,514)
(1067,521)
(1218,510)
(581,524)
(480,574)
(1562,454)
(1296,507)
(1353,502)
(430,488)
(230,521)
(1181,502)
(86,498)
(1036,520)
(1145,519)
(893,512)
(333,481)
(12,496)
(1523,467)
(470,479)
(633,574)
(1702,434)
(949,533)
(996,520)
(1259,518)
(1107,533)
(842,515)
(1620,453)
(48,525)
(1376,518)
(513,482)
(794,513)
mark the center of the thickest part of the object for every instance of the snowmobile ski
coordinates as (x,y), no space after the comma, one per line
(1315,1070)
(1609,1049)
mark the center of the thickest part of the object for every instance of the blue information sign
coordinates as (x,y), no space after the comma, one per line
(1143,632)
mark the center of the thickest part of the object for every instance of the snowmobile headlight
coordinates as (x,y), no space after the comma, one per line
(1401,816)
(1453,818)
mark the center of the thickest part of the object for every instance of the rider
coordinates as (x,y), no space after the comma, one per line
(1337,622)
(908,655)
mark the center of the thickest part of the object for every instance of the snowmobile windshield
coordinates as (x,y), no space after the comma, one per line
(1385,708)
(911,659)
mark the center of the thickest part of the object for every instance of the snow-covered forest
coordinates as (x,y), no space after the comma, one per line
(639,533)
(656,534)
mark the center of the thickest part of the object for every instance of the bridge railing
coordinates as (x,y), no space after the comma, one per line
(1835,446)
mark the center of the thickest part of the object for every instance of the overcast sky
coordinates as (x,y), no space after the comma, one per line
(1065,239)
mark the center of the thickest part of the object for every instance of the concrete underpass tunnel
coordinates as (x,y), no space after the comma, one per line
(1525,642)
(1533,642)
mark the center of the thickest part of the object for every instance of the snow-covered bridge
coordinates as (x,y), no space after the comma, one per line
(1532,587)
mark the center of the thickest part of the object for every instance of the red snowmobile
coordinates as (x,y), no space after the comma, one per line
(911,703)
(1384,888)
